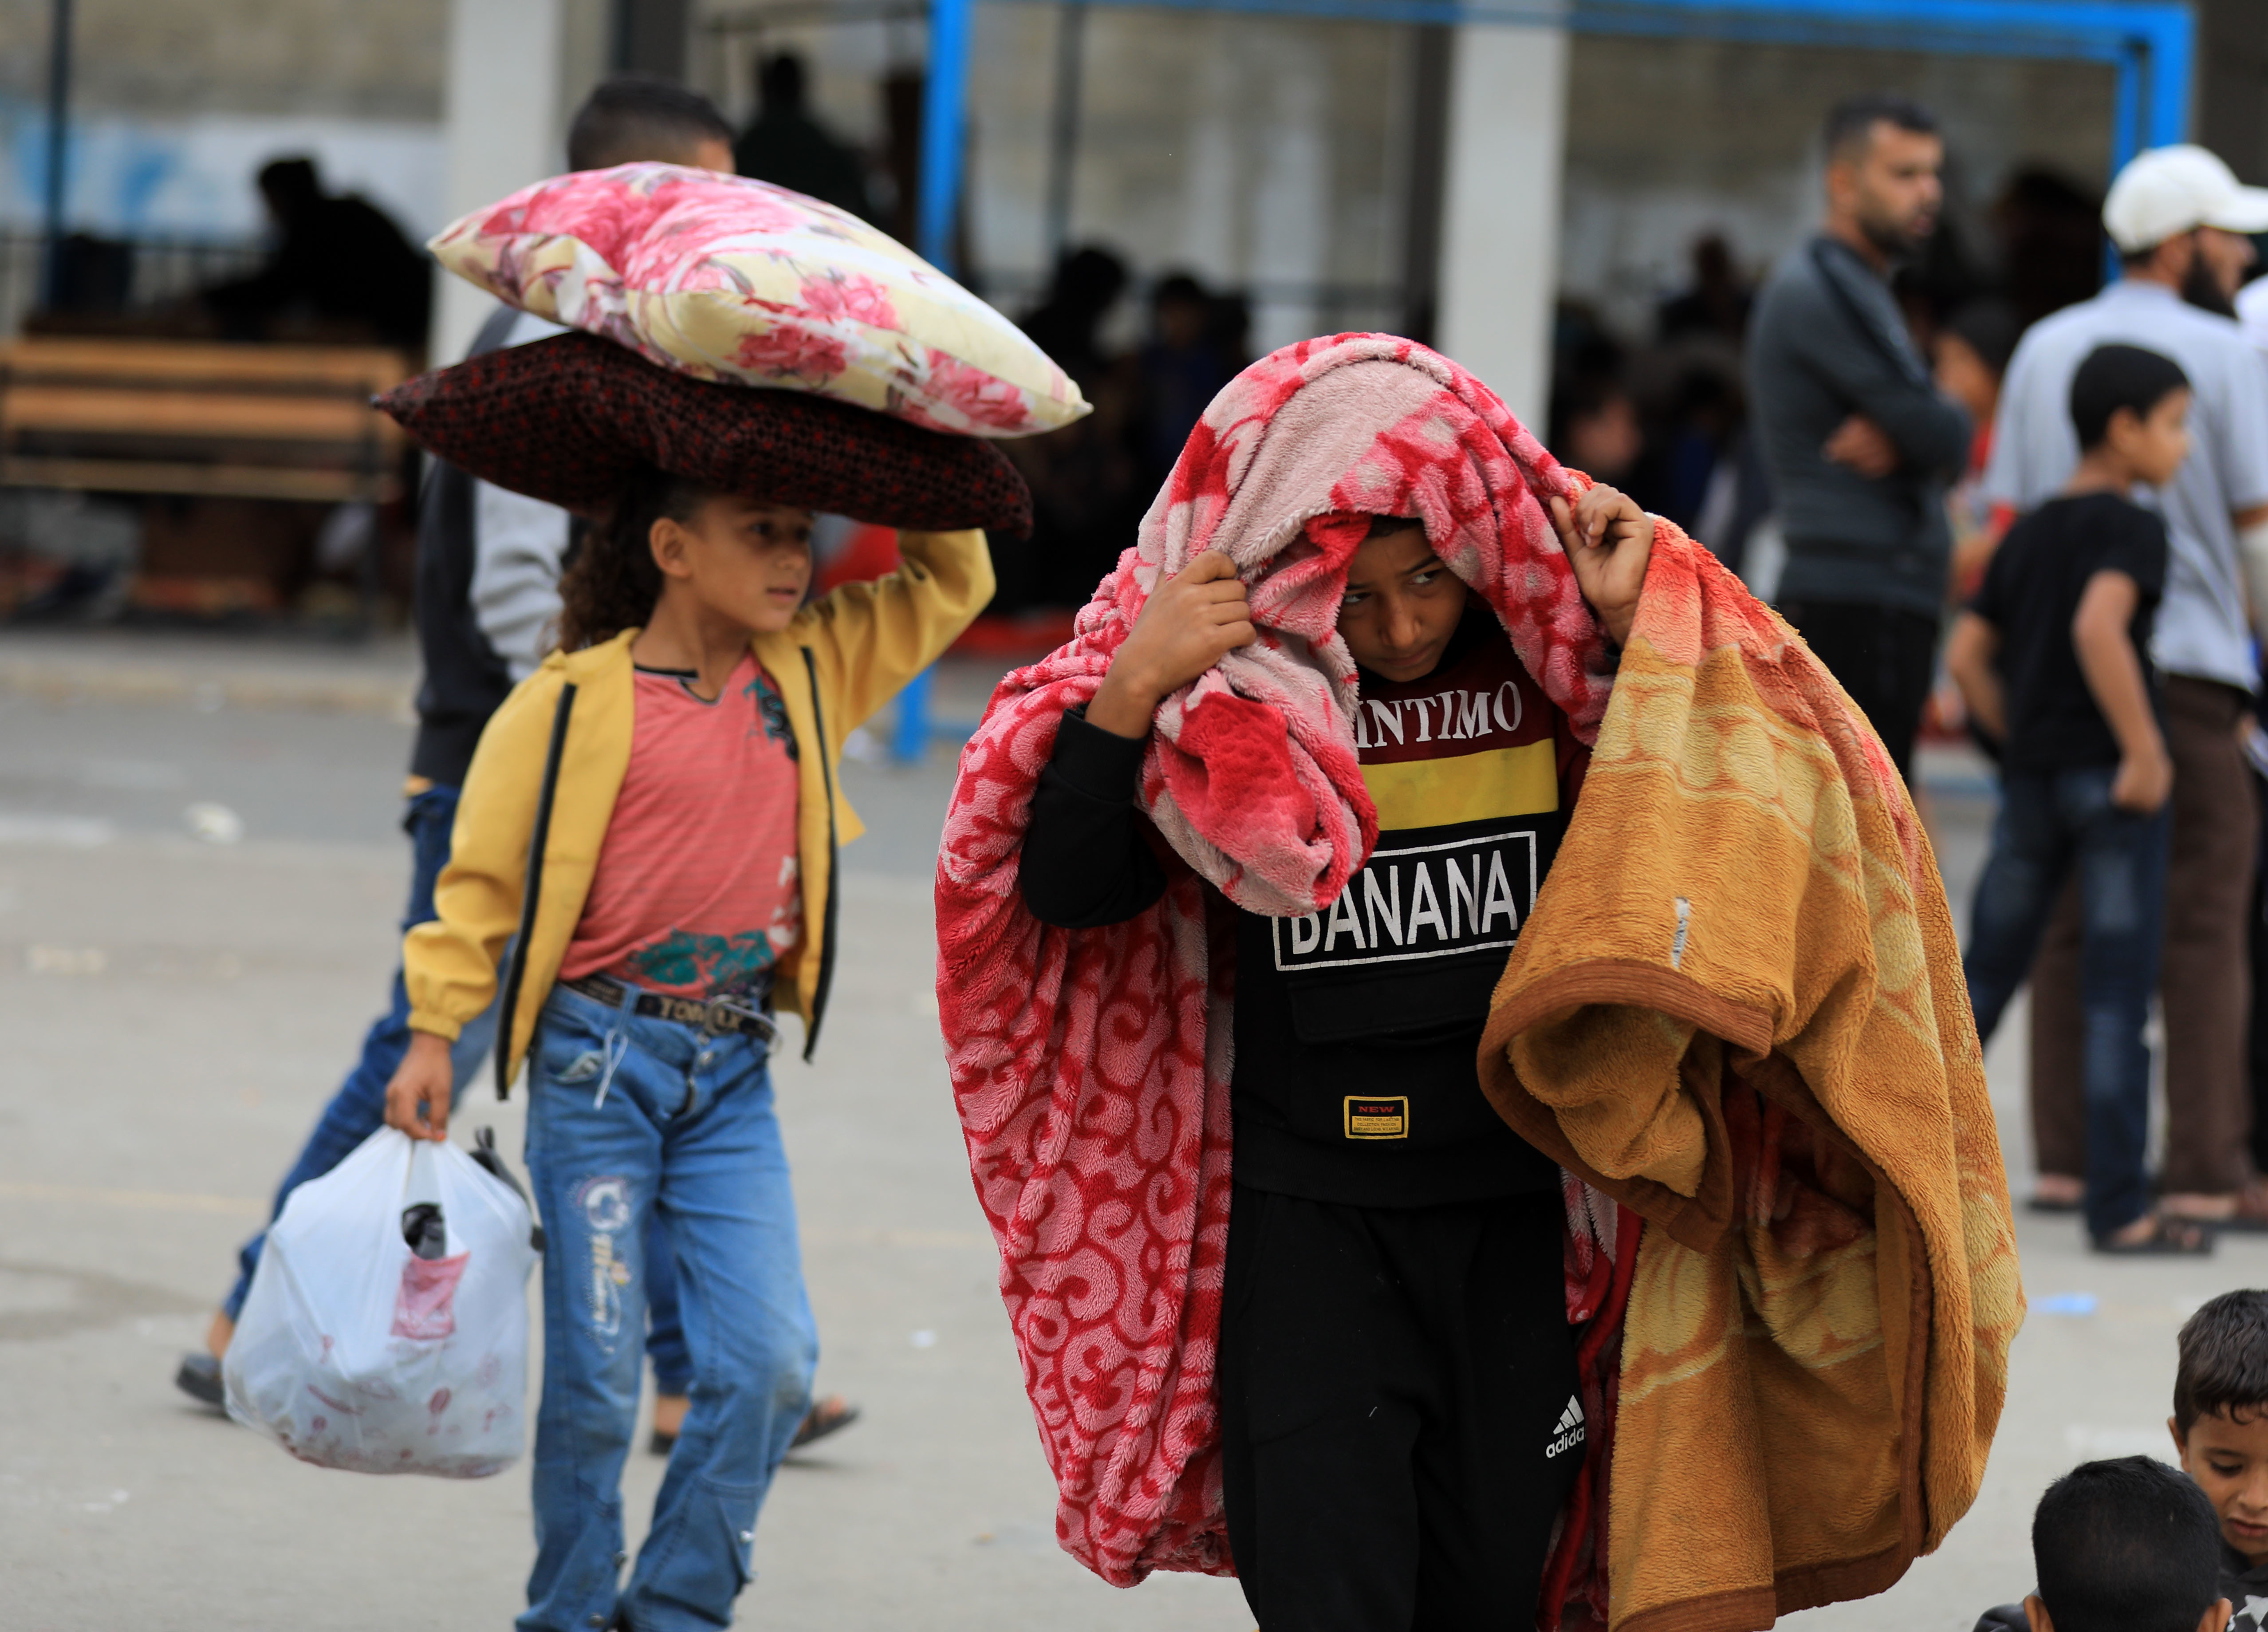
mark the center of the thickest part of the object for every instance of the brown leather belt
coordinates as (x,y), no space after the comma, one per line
(722,1016)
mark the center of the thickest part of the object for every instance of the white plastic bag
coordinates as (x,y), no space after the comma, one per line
(353,1352)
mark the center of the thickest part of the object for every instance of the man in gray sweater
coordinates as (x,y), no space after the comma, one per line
(1860,441)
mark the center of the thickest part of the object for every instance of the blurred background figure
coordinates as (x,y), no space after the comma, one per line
(2181,223)
(1969,352)
(1085,505)
(1595,425)
(1718,302)
(1178,371)
(340,270)
(2050,233)
(785,145)
(1968,355)
(1861,444)
(1067,323)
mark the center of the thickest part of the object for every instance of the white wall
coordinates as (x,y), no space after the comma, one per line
(503,121)
(1500,228)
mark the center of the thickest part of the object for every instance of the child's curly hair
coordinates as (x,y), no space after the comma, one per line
(611,583)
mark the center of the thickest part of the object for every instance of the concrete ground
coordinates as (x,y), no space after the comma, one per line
(198,876)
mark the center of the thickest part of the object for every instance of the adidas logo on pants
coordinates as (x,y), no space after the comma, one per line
(1569,1432)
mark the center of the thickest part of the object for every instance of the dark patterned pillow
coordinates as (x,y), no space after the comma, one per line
(567,419)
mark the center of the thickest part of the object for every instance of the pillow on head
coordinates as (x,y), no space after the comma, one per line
(727,278)
(566,420)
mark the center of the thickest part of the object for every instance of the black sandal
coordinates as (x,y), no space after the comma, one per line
(826,1416)
(2169,1236)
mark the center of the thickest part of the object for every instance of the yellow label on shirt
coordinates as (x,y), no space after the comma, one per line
(1471,787)
(1370,1118)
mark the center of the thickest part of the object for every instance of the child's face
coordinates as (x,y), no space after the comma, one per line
(743,561)
(1962,375)
(2155,445)
(1400,606)
(1606,442)
(2227,1456)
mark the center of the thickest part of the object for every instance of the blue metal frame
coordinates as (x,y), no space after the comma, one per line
(2148,44)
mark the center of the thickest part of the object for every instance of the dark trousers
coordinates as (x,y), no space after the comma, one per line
(1884,657)
(2050,829)
(1398,1413)
(2204,979)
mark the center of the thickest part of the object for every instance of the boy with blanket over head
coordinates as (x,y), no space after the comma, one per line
(1398,1389)
(1244,933)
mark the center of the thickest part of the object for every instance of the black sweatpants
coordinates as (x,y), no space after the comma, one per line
(1885,657)
(1398,1410)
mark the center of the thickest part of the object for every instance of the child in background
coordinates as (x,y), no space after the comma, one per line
(688,876)
(2052,660)
(1969,356)
(2220,1428)
(2124,1545)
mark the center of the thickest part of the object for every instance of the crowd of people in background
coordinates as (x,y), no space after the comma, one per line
(1670,412)
(1855,436)
(2090,481)
(1092,481)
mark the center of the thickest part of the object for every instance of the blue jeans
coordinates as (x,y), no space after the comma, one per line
(359,1109)
(630,1120)
(2050,825)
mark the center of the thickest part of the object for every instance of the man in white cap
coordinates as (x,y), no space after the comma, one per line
(2177,216)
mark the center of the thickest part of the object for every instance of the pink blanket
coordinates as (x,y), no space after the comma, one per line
(1091,1068)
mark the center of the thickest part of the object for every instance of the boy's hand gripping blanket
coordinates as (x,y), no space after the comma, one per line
(1091,1068)
(1738,1009)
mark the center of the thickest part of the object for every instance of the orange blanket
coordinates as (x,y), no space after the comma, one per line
(1738,1009)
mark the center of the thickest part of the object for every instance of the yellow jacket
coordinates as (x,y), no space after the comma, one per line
(841,659)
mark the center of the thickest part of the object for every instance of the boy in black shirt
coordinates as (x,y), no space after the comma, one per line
(2126,1546)
(2052,658)
(1397,1383)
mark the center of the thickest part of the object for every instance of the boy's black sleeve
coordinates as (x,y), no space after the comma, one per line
(1086,863)
(1990,601)
(2137,548)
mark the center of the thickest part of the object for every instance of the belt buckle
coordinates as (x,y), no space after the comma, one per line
(720,1016)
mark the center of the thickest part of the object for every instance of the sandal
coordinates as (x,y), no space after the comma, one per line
(2057,1193)
(825,1417)
(2248,1217)
(2169,1238)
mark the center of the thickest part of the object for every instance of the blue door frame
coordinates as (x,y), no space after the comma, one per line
(2148,44)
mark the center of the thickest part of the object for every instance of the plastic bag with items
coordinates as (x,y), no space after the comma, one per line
(386,1327)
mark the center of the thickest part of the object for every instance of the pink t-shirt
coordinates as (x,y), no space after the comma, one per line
(696,890)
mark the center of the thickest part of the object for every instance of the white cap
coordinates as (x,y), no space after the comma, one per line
(2168,190)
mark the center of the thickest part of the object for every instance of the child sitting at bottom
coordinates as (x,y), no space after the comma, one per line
(2052,659)
(2220,1428)
(2124,1545)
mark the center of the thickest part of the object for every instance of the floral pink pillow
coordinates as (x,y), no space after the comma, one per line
(727,278)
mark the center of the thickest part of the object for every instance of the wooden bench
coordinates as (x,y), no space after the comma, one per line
(198,419)
(236,454)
